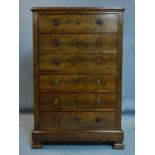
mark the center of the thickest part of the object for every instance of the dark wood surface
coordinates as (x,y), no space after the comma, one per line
(35,70)
(77,42)
(78,63)
(77,120)
(119,69)
(77,9)
(77,23)
(77,83)
(114,136)
(77,101)
(77,75)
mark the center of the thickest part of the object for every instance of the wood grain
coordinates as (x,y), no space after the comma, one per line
(77,75)
(78,136)
(77,10)
(35,70)
(77,23)
(78,63)
(119,70)
(77,120)
(77,83)
(77,42)
(77,101)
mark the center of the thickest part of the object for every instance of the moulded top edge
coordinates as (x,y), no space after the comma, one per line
(78,9)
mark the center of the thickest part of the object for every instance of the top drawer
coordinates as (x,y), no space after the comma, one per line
(77,23)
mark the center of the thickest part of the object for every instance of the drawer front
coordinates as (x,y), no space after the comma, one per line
(76,42)
(77,120)
(77,23)
(77,101)
(77,83)
(78,64)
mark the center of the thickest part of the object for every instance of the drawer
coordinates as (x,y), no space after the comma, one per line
(49,43)
(77,83)
(77,23)
(78,64)
(77,120)
(77,101)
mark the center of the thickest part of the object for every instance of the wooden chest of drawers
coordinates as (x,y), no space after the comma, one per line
(77,75)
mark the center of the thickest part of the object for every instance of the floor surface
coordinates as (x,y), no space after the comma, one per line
(26,126)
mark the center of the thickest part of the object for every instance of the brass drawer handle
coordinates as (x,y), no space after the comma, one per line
(56,101)
(98,61)
(98,119)
(99,42)
(78,22)
(56,42)
(99,22)
(56,61)
(77,119)
(56,119)
(98,101)
(77,60)
(56,22)
(77,42)
(56,82)
(98,82)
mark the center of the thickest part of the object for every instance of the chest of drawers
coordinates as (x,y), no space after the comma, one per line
(77,75)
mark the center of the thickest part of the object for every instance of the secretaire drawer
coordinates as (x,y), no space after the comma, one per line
(78,63)
(77,101)
(77,83)
(77,120)
(77,42)
(77,23)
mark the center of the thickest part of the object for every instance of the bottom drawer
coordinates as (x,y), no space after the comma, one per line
(77,120)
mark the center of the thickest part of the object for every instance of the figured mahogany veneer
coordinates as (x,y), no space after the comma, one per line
(77,120)
(78,63)
(77,101)
(77,75)
(77,42)
(77,23)
(77,83)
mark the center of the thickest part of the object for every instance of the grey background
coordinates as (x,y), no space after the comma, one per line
(26,56)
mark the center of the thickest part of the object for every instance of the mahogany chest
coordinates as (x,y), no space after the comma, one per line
(77,75)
